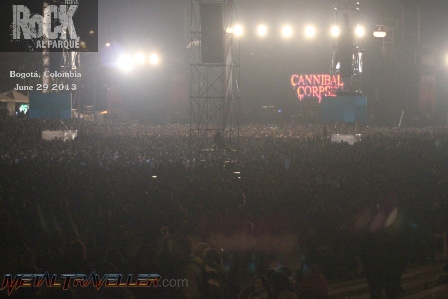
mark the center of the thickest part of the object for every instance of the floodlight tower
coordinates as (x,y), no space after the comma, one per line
(347,55)
(214,79)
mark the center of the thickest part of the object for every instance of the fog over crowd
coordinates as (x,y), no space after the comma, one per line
(128,198)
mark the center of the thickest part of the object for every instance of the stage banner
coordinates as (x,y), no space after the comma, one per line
(316,85)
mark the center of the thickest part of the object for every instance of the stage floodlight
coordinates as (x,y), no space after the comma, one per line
(154,59)
(262,30)
(125,63)
(310,31)
(335,31)
(238,30)
(359,30)
(379,32)
(287,31)
(139,58)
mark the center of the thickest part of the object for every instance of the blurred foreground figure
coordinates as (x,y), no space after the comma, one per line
(314,284)
(259,288)
(382,250)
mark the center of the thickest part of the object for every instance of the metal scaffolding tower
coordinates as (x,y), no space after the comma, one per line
(214,91)
(69,62)
(347,55)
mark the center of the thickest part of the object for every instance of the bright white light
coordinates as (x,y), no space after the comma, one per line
(360,62)
(154,59)
(238,30)
(359,31)
(335,31)
(125,63)
(91,32)
(287,31)
(139,58)
(262,30)
(310,31)
(107,44)
(379,33)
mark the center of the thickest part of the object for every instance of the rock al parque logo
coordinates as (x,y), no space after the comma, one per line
(52,25)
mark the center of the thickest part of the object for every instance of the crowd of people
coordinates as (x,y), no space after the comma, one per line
(128,198)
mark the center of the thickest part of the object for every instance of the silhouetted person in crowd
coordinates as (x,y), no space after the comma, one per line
(282,286)
(194,272)
(382,250)
(443,279)
(174,260)
(325,133)
(219,141)
(214,283)
(313,284)
(259,288)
